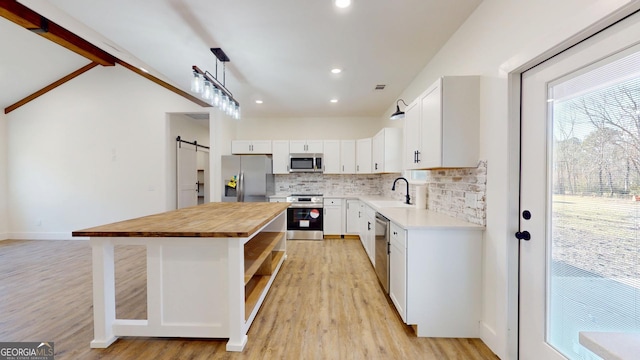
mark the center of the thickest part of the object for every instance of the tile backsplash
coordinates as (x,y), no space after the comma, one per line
(460,193)
(314,183)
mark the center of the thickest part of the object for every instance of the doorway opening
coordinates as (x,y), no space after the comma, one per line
(189,159)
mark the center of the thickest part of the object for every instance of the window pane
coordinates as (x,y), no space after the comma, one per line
(595,206)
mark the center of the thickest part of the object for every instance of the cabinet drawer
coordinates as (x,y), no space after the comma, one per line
(332,201)
(398,236)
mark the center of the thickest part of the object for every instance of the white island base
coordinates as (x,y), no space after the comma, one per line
(199,287)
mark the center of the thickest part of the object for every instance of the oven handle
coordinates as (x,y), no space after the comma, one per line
(304,206)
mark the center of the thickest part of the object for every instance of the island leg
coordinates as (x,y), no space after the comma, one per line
(104,299)
(237,335)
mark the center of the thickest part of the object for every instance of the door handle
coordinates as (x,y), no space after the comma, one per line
(524,235)
(368,225)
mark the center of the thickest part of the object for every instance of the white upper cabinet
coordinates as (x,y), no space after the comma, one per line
(411,134)
(280,156)
(441,126)
(305,146)
(348,156)
(251,147)
(387,151)
(363,156)
(332,157)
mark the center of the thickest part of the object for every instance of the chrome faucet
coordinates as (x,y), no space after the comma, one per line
(394,188)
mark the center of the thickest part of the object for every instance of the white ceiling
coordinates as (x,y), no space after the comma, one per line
(281,51)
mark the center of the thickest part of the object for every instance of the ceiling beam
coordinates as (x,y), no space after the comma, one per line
(164,84)
(34,22)
(50,87)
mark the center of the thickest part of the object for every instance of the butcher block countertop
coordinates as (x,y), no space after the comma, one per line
(216,219)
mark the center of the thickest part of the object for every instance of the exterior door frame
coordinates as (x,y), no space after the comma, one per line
(591,21)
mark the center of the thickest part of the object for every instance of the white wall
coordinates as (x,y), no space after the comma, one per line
(222,129)
(4,210)
(90,152)
(500,37)
(308,128)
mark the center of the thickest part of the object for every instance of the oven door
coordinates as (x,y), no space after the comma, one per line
(304,223)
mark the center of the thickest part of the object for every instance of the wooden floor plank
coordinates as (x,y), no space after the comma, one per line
(325,303)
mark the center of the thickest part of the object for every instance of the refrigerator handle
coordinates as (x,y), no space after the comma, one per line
(241,186)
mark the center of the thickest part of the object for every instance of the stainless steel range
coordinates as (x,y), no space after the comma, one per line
(305,217)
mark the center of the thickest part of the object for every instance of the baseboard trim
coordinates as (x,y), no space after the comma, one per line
(44,236)
(4,236)
(490,338)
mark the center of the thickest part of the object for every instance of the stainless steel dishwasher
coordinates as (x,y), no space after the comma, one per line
(382,250)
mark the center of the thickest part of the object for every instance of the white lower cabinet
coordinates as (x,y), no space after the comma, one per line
(443,281)
(398,270)
(368,231)
(352,219)
(332,220)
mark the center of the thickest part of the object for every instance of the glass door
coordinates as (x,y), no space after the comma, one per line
(580,196)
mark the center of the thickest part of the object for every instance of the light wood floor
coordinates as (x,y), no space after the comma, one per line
(325,304)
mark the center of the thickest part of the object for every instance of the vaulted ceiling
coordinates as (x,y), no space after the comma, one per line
(281,51)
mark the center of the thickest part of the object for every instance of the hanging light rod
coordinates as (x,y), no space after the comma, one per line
(212,90)
(220,54)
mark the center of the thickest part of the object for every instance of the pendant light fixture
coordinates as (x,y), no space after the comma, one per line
(398,115)
(212,90)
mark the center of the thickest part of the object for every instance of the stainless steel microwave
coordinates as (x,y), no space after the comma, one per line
(305,163)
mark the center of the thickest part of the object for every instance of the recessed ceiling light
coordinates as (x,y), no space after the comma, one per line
(334,100)
(258,101)
(343,3)
(336,71)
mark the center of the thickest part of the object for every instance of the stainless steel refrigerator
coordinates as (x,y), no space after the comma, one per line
(247,178)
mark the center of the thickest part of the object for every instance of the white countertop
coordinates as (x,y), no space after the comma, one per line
(406,216)
(409,217)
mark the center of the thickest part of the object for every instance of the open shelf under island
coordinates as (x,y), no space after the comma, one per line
(209,269)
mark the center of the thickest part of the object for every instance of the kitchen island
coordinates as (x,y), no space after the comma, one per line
(209,269)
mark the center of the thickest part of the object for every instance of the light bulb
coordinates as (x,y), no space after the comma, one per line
(196,83)
(206,92)
(216,97)
(343,3)
(230,108)
(224,102)
(236,112)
